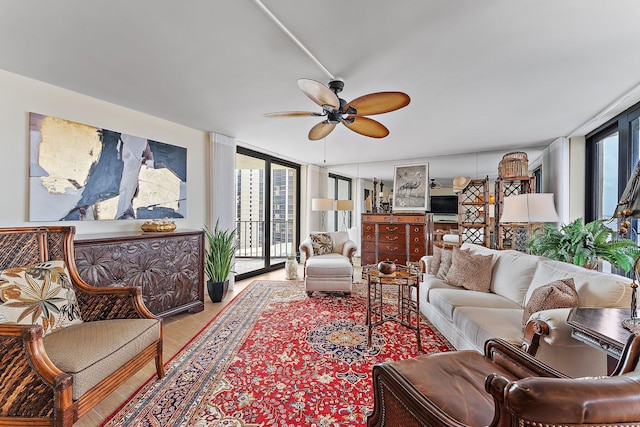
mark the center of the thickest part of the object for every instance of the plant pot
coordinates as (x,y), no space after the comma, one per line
(217,290)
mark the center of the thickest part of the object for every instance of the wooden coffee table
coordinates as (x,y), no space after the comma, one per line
(405,280)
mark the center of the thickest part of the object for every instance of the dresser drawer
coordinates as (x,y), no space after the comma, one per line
(369,236)
(369,246)
(416,252)
(392,238)
(368,227)
(398,258)
(392,228)
(368,258)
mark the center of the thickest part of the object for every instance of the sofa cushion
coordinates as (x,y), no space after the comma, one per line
(595,289)
(338,239)
(448,300)
(471,271)
(479,324)
(432,282)
(321,243)
(557,294)
(92,351)
(39,294)
(446,256)
(503,281)
(434,263)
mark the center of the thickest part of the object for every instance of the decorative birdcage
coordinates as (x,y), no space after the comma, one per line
(514,165)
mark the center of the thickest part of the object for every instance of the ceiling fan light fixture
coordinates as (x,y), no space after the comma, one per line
(353,114)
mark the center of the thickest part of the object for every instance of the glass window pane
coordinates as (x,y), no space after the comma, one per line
(283,202)
(607,148)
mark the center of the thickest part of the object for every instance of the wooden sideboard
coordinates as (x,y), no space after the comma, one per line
(169,267)
(396,237)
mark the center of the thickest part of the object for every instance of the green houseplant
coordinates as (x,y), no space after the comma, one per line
(220,249)
(583,244)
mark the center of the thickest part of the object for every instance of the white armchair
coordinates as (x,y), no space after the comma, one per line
(328,264)
(317,245)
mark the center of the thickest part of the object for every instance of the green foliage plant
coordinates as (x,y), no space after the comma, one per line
(219,251)
(583,244)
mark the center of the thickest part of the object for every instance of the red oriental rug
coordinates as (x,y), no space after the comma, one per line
(272,357)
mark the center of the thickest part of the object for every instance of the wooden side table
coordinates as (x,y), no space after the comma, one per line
(405,279)
(601,328)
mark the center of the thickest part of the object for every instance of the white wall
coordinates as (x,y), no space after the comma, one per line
(21,95)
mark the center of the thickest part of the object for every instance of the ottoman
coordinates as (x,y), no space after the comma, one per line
(328,273)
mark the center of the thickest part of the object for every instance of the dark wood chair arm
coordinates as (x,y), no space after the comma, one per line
(517,361)
(533,333)
(104,303)
(30,381)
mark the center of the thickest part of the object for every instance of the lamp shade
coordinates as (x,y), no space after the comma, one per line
(530,207)
(321,204)
(344,205)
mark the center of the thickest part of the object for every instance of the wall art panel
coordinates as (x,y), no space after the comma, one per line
(80,172)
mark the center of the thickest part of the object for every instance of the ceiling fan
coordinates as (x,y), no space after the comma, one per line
(351,114)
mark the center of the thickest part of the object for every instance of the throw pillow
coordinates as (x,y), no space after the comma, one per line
(557,294)
(39,294)
(470,271)
(321,243)
(445,263)
(434,263)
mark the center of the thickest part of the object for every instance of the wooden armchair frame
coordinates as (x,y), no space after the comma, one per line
(34,391)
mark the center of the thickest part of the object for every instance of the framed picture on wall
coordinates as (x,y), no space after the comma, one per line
(411,188)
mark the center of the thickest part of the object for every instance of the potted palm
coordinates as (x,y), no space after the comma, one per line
(218,261)
(583,244)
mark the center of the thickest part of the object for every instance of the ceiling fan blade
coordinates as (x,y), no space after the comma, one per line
(293,114)
(379,102)
(366,126)
(319,93)
(320,130)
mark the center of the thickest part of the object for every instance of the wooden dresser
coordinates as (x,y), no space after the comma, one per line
(169,267)
(396,237)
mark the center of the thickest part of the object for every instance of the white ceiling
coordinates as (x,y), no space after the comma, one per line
(482,75)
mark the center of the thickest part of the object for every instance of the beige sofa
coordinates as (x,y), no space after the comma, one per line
(469,318)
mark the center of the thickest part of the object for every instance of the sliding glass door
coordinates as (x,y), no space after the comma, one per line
(267,213)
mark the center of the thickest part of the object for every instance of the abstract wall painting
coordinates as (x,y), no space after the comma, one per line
(82,173)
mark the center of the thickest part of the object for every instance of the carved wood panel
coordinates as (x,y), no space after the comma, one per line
(168,267)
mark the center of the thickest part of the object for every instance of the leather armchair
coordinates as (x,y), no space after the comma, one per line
(503,387)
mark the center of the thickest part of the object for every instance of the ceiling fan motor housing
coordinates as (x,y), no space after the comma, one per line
(336,86)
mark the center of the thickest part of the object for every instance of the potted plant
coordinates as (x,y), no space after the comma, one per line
(583,244)
(218,261)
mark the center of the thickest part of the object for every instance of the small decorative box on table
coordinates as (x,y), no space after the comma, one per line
(404,280)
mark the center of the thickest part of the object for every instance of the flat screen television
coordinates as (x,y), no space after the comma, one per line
(444,204)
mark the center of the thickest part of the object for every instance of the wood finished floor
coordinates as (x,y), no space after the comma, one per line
(178,331)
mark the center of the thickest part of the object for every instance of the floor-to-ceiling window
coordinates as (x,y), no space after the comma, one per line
(267,212)
(339,189)
(612,154)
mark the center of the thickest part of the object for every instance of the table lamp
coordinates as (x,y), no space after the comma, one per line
(344,206)
(527,210)
(322,205)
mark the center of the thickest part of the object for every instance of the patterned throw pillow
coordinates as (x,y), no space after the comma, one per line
(321,243)
(470,271)
(557,294)
(446,256)
(39,294)
(434,263)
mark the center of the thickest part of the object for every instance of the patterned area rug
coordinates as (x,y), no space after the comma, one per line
(272,357)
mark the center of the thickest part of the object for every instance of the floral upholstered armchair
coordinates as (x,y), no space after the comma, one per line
(332,244)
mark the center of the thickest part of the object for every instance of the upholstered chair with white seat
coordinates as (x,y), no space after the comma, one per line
(328,264)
